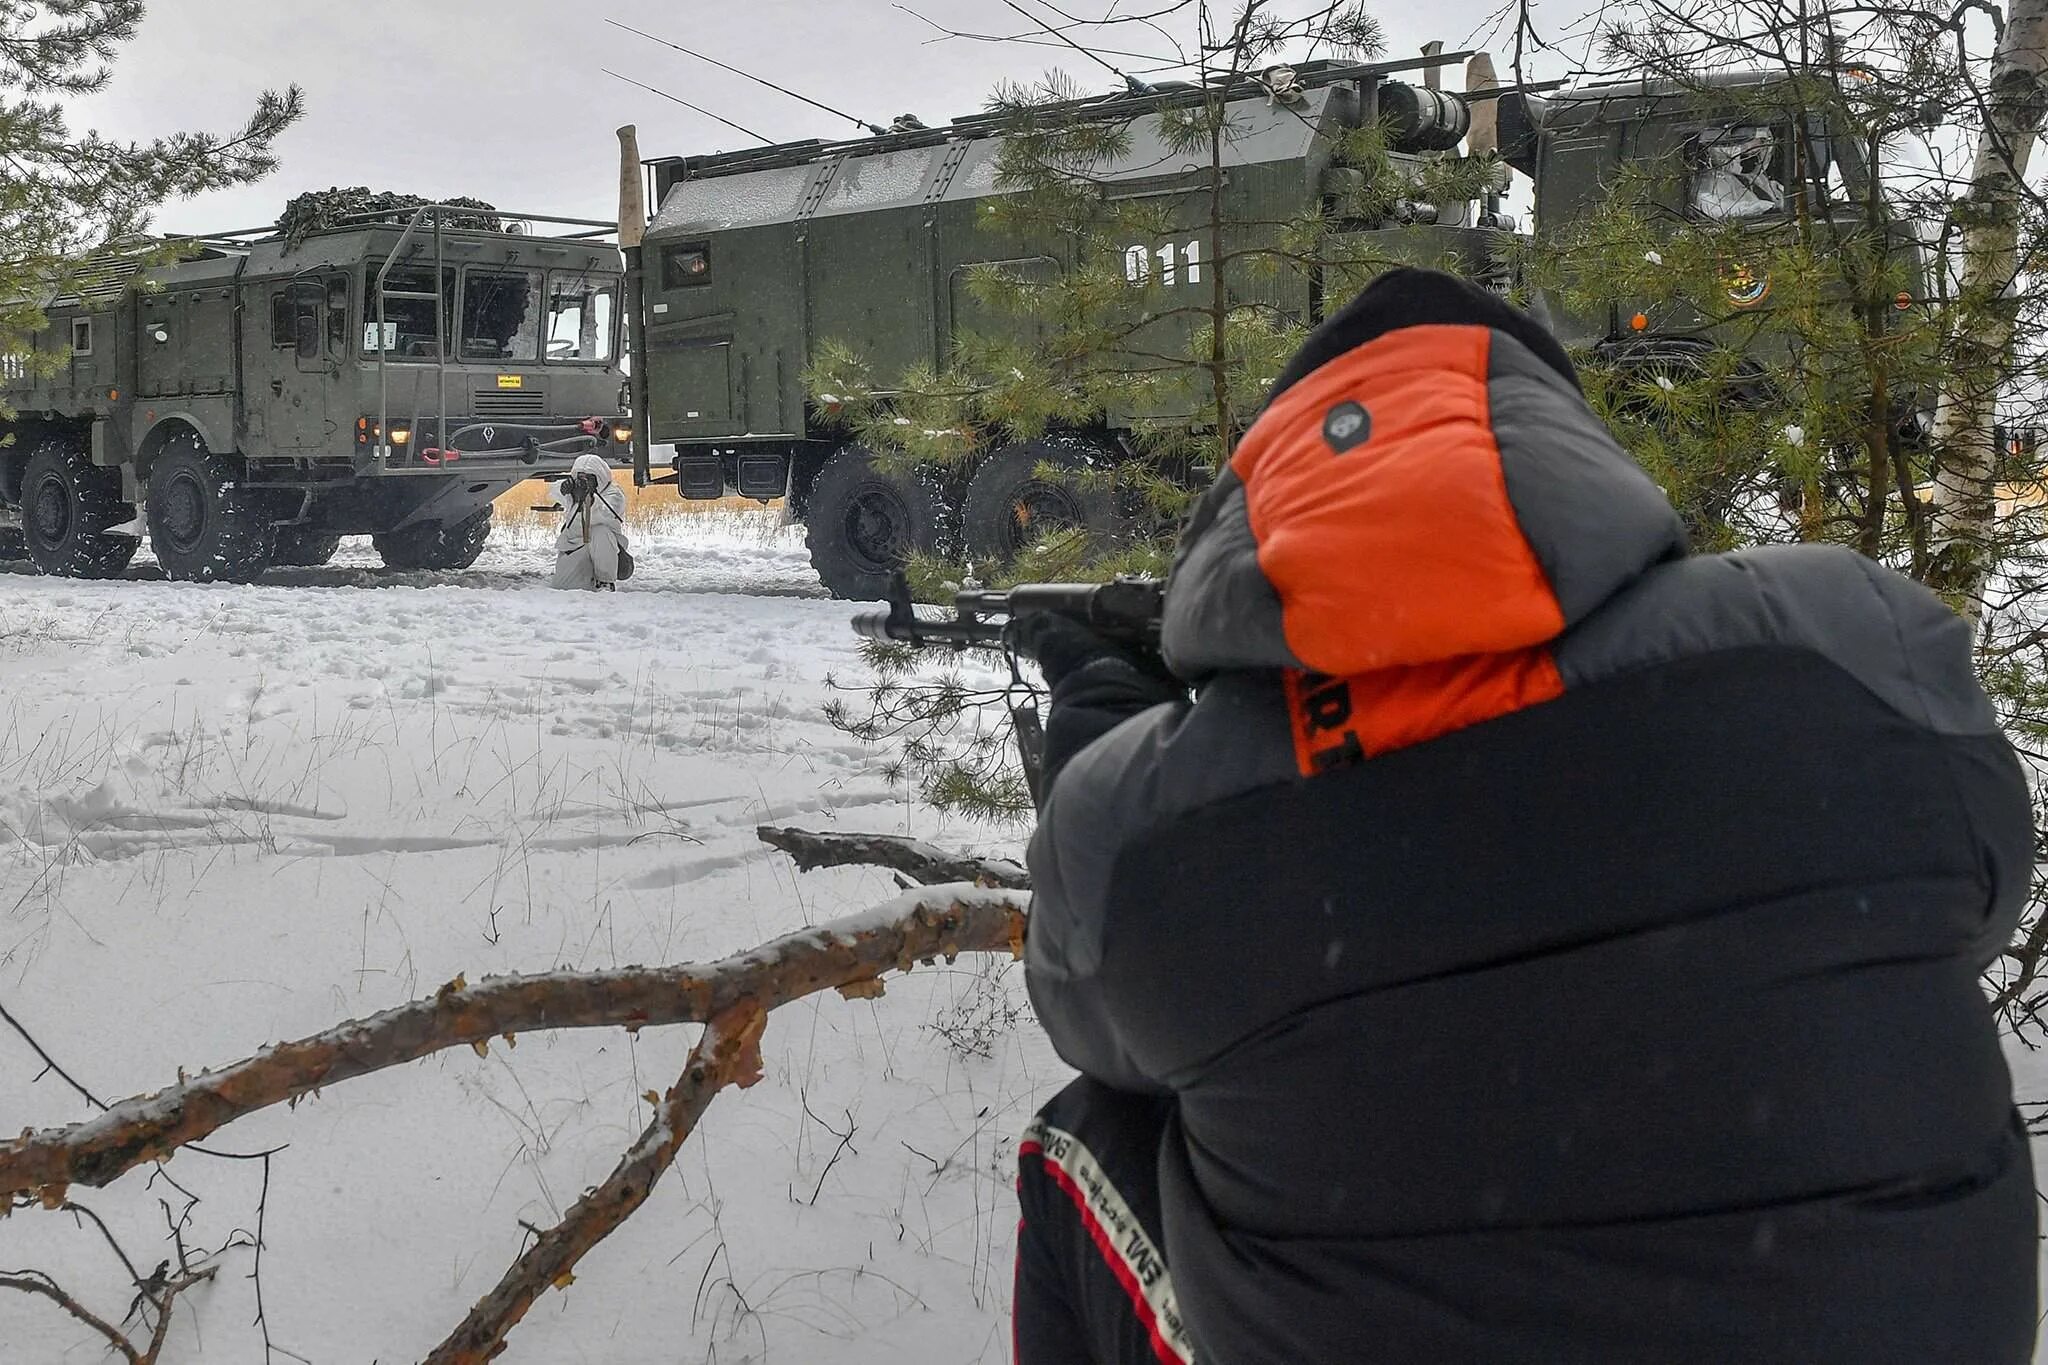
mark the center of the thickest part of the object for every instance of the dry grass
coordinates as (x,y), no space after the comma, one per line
(646,508)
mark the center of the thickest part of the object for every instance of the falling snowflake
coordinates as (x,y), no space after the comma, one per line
(1795,436)
(1664,383)
(1654,258)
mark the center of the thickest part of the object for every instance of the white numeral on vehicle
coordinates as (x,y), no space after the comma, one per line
(1176,265)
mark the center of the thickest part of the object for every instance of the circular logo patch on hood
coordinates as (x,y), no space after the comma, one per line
(1347,426)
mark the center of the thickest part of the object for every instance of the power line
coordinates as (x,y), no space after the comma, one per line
(687,105)
(748,75)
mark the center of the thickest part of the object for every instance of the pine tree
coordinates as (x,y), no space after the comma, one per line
(65,195)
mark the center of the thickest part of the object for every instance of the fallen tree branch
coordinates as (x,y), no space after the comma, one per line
(35,1282)
(850,955)
(912,857)
(728,1053)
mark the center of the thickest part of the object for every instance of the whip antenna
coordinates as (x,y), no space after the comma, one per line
(748,75)
(687,105)
(1132,83)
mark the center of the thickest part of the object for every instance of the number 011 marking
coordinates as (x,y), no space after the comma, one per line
(1182,265)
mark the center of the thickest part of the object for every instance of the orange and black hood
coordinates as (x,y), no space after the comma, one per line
(1426,484)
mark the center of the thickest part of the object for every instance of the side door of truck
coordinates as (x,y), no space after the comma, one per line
(294,362)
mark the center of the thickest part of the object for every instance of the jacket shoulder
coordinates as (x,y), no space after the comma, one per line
(1887,632)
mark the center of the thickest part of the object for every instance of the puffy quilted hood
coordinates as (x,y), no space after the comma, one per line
(1425,485)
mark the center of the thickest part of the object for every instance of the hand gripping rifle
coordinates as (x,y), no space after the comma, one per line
(1124,611)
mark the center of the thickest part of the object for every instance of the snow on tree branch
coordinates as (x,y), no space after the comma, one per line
(915,859)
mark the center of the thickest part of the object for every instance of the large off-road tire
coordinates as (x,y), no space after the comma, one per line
(1011,507)
(436,544)
(66,505)
(862,525)
(203,527)
(302,547)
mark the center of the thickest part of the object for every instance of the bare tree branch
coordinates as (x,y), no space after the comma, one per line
(850,955)
(35,1282)
(727,1054)
(912,857)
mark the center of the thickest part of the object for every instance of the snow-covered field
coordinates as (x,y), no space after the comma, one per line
(234,815)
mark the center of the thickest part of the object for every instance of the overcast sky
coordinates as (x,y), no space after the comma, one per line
(507,100)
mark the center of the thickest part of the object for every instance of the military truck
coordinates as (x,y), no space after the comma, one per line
(754,258)
(1729,158)
(254,401)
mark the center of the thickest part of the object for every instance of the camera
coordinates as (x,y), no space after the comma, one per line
(579,488)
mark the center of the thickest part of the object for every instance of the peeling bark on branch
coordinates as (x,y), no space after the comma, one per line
(727,1054)
(919,926)
(912,857)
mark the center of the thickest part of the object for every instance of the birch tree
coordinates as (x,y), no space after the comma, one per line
(1986,226)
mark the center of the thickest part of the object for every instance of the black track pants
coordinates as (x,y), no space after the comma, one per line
(1092,1287)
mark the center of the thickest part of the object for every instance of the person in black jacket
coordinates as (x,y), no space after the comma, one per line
(1533,943)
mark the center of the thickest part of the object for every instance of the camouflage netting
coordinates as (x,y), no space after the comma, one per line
(317,210)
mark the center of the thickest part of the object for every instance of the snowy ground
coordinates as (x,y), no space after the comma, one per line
(233,815)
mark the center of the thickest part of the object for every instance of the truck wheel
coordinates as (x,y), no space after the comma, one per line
(1010,507)
(202,526)
(66,504)
(302,547)
(862,525)
(436,544)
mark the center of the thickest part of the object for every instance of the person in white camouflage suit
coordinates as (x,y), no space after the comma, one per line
(590,553)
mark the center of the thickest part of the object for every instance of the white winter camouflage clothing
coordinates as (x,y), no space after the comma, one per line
(593,537)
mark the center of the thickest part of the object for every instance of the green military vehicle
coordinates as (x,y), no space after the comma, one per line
(264,396)
(1727,157)
(753,258)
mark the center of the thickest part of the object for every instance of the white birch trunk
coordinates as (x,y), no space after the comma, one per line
(1965,506)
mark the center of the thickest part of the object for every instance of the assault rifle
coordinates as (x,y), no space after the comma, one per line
(1124,611)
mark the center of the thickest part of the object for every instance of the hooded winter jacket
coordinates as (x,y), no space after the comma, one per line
(587,549)
(1557,948)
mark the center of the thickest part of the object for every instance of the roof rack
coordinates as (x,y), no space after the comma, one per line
(1116,105)
(240,239)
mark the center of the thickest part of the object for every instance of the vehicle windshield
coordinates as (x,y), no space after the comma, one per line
(408,332)
(583,312)
(500,314)
(1739,173)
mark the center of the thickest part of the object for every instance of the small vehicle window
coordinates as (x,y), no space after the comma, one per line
(81,336)
(408,332)
(306,330)
(281,320)
(686,266)
(583,315)
(1739,172)
(500,314)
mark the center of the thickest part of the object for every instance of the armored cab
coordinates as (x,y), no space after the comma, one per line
(755,258)
(260,397)
(1735,148)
